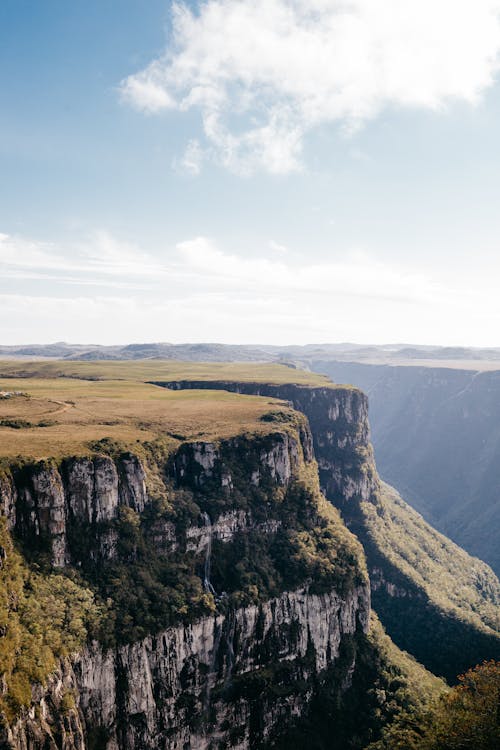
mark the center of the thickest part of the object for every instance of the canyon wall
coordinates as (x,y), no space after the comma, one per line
(239,667)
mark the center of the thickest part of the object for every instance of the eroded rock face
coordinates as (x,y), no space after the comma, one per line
(8,499)
(42,500)
(275,457)
(132,487)
(40,509)
(378,580)
(340,438)
(224,529)
(54,722)
(188,686)
(96,487)
(191,686)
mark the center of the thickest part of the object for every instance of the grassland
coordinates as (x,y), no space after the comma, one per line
(165,370)
(64,407)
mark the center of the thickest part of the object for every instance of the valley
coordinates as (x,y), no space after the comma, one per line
(196,556)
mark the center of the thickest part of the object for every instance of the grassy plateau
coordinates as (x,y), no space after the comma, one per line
(51,409)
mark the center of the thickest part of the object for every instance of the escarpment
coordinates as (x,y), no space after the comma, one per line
(196,684)
(338,417)
(201,683)
(435,600)
(43,500)
(200,598)
(196,589)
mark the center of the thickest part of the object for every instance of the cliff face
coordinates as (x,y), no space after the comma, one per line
(340,431)
(239,665)
(41,501)
(436,435)
(192,686)
(430,595)
(197,686)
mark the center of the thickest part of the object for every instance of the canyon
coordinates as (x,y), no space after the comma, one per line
(231,599)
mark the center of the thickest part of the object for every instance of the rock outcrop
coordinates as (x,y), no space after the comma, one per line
(237,678)
(436,435)
(42,500)
(189,686)
(430,623)
(338,416)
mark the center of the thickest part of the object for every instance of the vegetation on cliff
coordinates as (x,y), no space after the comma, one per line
(467,716)
(245,463)
(43,616)
(436,434)
(152,584)
(388,688)
(435,600)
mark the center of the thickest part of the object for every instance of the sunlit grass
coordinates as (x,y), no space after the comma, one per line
(65,412)
(145,370)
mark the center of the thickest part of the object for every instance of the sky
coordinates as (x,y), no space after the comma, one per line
(250,171)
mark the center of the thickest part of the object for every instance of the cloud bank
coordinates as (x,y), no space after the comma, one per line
(105,291)
(264,73)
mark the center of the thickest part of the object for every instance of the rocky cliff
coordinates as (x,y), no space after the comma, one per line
(225,591)
(436,434)
(434,599)
(197,685)
(40,501)
(338,417)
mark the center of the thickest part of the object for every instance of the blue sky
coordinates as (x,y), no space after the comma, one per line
(279,172)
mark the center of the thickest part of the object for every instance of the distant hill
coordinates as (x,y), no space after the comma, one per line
(214,352)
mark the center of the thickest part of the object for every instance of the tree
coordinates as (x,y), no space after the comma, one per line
(468,717)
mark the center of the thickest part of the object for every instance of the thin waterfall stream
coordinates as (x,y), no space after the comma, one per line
(207,585)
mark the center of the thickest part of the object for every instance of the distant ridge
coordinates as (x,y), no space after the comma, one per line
(215,352)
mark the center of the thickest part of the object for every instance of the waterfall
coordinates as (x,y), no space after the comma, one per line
(207,585)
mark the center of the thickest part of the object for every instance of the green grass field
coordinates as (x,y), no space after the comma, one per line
(69,405)
(145,370)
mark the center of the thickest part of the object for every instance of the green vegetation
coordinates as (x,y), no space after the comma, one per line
(140,573)
(150,585)
(15,424)
(466,717)
(43,616)
(145,590)
(153,579)
(311,546)
(435,600)
(458,582)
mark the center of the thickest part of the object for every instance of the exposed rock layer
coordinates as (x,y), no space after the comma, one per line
(230,680)
(420,618)
(340,431)
(436,434)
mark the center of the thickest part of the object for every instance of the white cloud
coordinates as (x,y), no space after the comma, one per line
(192,160)
(277,248)
(265,72)
(196,291)
(99,259)
(147,94)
